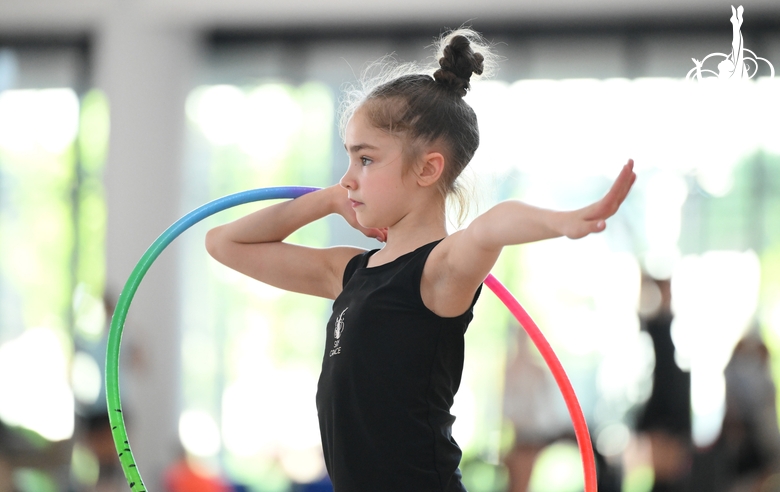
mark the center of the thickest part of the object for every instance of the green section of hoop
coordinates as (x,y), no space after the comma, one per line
(115,416)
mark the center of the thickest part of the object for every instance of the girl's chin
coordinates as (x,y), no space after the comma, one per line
(367,224)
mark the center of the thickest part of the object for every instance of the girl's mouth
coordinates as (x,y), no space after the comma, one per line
(354,203)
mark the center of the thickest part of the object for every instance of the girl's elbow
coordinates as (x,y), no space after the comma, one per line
(481,234)
(212,243)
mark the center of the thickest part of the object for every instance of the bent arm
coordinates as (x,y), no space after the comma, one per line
(253,245)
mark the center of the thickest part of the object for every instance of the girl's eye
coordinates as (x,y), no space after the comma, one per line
(365,161)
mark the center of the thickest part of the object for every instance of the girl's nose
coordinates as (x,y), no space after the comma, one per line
(347,181)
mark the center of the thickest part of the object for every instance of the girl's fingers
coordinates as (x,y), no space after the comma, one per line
(594,216)
(622,185)
(379,235)
(609,205)
(586,227)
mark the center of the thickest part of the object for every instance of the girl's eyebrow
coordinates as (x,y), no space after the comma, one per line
(359,147)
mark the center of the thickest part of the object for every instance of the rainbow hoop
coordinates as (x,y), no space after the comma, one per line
(118,428)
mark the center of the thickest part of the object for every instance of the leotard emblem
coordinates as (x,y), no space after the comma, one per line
(339,329)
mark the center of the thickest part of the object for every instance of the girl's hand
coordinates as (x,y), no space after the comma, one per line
(592,218)
(343,207)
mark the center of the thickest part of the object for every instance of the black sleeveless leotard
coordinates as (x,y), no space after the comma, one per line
(389,374)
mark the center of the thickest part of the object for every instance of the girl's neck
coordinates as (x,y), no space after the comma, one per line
(411,233)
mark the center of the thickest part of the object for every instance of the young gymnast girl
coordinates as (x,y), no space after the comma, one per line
(394,349)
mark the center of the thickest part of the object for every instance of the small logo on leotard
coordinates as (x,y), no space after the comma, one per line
(337,333)
(339,324)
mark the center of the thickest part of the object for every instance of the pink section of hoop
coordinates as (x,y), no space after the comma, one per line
(575,411)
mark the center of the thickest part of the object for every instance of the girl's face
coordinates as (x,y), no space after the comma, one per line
(376,178)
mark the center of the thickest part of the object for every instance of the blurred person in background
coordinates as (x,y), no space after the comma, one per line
(746,455)
(6,478)
(665,420)
(536,412)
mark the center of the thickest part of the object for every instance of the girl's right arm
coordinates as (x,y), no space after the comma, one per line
(253,244)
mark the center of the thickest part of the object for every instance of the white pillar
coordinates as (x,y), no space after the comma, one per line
(145,69)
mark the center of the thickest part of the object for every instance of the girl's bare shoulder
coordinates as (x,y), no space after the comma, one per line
(447,290)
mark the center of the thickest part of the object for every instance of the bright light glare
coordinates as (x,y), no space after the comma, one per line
(613,439)
(557,469)
(493,154)
(84,465)
(599,287)
(665,193)
(246,427)
(89,313)
(271,410)
(267,407)
(272,117)
(464,409)
(714,298)
(625,372)
(47,118)
(765,122)
(218,112)
(34,390)
(586,127)
(262,123)
(303,465)
(86,378)
(199,433)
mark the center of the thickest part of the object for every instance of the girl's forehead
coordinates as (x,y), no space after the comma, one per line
(360,117)
(359,129)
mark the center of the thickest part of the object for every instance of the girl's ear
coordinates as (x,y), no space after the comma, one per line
(430,168)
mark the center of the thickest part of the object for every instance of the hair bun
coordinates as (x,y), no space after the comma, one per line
(458,63)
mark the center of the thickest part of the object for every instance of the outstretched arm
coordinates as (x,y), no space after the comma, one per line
(465,258)
(514,222)
(253,245)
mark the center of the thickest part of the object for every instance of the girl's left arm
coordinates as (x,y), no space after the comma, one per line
(514,222)
(472,253)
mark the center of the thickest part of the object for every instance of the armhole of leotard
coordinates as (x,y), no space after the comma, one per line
(418,289)
(476,295)
(353,264)
(349,270)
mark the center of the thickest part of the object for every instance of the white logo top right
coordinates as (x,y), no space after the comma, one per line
(736,65)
